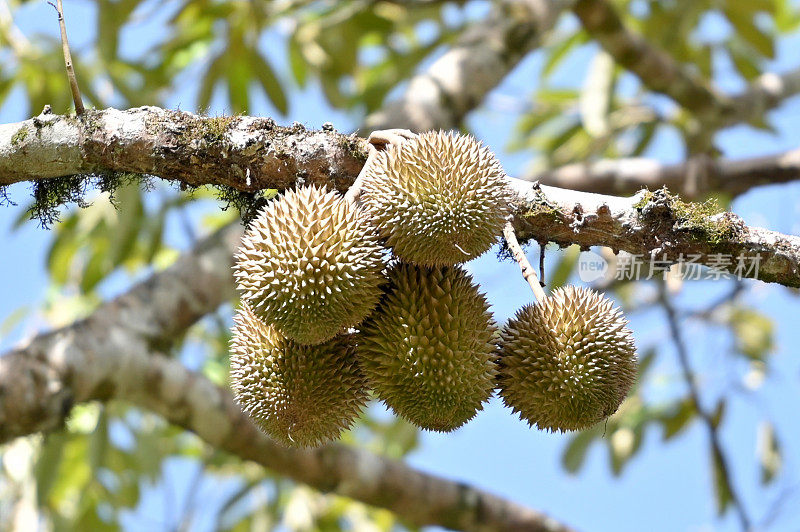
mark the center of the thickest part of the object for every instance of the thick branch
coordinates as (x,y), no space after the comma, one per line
(458,81)
(654,225)
(627,176)
(661,73)
(247,153)
(112,355)
(154,141)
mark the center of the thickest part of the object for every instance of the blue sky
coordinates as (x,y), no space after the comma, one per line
(667,486)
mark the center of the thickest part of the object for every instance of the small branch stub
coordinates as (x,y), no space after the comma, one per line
(73,81)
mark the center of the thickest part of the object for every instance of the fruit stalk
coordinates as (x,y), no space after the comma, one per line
(524,265)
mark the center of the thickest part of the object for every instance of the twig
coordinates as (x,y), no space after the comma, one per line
(694,394)
(73,81)
(655,67)
(542,246)
(519,255)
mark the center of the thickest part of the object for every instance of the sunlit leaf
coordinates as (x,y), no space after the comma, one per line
(269,81)
(575,453)
(722,492)
(677,419)
(753,332)
(770,456)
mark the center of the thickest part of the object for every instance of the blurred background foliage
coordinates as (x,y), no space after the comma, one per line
(100,471)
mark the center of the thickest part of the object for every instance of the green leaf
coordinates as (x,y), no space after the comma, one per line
(269,81)
(678,418)
(647,132)
(646,359)
(746,28)
(744,60)
(13,319)
(98,266)
(128,223)
(560,50)
(156,233)
(297,62)
(574,455)
(622,445)
(595,99)
(787,16)
(108,29)
(719,413)
(770,457)
(753,333)
(566,263)
(90,520)
(212,76)
(73,471)
(48,462)
(98,442)
(722,494)
(238,78)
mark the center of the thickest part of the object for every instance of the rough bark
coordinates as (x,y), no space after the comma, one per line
(114,354)
(654,225)
(247,153)
(548,214)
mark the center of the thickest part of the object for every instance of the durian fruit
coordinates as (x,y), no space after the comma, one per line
(566,362)
(300,395)
(311,265)
(428,350)
(439,199)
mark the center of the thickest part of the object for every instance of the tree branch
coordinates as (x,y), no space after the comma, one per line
(731,177)
(113,354)
(178,146)
(721,463)
(653,225)
(246,153)
(528,273)
(655,67)
(661,73)
(457,82)
(765,93)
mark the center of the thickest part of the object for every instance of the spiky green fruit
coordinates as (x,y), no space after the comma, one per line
(300,395)
(567,362)
(427,351)
(311,265)
(438,199)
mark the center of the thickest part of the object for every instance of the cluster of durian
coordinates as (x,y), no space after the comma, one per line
(342,297)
